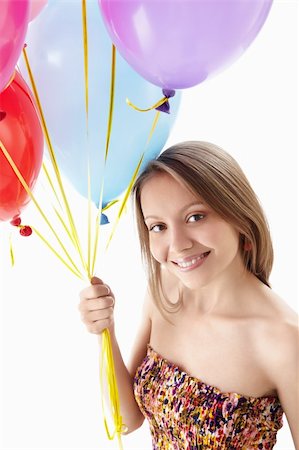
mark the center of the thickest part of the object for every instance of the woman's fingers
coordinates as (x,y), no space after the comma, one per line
(95,291)
(97,303)
(97,306)
(96,280)
(100,314)
(100,325)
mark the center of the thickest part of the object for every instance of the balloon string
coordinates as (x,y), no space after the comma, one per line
(107,348)
(77,273)
(107,362)
(111,103)
(108,135)
(63,223)
(89,237)
(85,47)
(128,191)
(54,162)
(156,105)
(154,125)
(46,172)
(113,202)
(124,201)
(85,52)
(11,252)
(29,192)
(97,229)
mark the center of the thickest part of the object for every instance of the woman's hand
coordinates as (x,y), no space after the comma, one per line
(97,307)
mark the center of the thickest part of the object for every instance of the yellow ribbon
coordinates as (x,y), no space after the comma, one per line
(29,192)
(108,134)
(133,179)
(159,103)
(113,202)
(89,234)
(85,47)
(106,349)
(107,364)
(75,272)
(11,252)
(50,181)
(111,103)
(54,162)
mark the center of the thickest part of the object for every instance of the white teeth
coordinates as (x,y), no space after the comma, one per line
(190,263)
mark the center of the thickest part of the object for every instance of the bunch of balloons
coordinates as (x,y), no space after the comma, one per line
(170,45)
(57,62)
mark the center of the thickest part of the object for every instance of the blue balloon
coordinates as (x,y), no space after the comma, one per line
(55,51)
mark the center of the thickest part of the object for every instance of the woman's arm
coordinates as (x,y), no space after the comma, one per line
(285,374)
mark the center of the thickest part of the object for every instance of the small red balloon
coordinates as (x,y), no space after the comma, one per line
(22,136)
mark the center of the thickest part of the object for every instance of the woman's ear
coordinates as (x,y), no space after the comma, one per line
(247,246)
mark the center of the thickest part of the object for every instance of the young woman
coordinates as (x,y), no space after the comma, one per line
(215,362)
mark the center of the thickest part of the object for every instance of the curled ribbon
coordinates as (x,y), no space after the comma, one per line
(162,105)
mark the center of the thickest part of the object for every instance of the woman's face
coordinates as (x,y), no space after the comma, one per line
(187,236)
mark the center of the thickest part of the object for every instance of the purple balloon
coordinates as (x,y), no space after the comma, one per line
(177,44)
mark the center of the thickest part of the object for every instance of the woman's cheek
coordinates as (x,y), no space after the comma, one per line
(157,251)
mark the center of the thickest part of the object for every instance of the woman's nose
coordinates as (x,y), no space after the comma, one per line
(179,240)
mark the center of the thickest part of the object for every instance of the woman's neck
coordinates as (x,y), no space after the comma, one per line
(223,296)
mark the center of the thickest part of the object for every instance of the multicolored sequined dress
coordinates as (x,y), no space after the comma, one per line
(185,413)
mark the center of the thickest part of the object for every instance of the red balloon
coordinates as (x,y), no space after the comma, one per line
(22,136)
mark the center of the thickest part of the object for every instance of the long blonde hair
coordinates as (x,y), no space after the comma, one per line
(215,176)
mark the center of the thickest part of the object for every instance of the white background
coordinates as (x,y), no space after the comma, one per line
(50,370)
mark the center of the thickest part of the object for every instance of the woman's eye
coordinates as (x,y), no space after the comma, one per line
(196,217)
(157,228)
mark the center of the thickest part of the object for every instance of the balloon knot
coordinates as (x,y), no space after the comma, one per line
(16,221)
(104,219)
(165,107)
(25,230)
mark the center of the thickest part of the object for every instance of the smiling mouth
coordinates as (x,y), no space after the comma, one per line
(192,263)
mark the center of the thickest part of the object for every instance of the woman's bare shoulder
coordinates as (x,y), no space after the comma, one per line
(280,350)
(280,313)
(276,330)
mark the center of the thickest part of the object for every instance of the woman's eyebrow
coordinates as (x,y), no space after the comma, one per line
(198,204)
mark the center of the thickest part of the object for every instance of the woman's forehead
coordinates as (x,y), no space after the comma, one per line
(163,189)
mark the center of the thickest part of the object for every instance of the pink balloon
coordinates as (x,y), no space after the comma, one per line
(35,8)
(177,44)
(14,15)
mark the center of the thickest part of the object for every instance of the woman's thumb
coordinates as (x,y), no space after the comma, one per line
(96,280)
